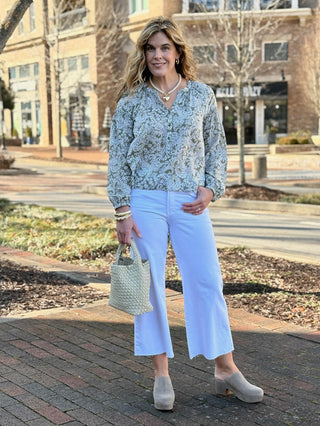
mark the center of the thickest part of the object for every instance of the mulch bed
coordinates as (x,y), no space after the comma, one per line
(252,192)
(24,289)
(273,287)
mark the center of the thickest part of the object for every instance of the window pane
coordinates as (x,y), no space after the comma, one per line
(275,4)
(203,6)
(72,64)
(32,17)
(134,6)
(24,71)
(36,68)
(232,53)
(84,62)
(61,65)
(204,54)
(12,73)
(245,4)
(145,4)
(20,27)
(276,51)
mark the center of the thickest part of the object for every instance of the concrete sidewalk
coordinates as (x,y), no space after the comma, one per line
(76,367)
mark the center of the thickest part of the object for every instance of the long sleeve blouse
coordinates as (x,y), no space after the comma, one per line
(152,147)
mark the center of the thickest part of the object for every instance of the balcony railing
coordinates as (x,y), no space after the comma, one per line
(71,19)
(200,6)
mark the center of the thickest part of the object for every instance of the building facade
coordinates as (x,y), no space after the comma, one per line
(56,64)
(65,58)
(278,100)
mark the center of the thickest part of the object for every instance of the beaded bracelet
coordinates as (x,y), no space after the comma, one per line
(122,218)
(122,215)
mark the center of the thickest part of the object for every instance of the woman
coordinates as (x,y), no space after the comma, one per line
(167,162)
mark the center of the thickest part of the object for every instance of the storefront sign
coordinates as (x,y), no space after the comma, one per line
(230,92)
(261,91)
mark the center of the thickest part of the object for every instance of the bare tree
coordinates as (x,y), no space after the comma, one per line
(236,33)
(310,64)
(109,43)
(12,20)
(64,12)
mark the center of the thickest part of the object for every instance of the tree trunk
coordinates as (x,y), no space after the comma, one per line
(240,138)
(12,20)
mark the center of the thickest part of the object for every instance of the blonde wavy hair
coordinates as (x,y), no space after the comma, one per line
(136,71)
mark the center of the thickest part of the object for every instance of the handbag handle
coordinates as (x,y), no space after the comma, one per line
(136,254)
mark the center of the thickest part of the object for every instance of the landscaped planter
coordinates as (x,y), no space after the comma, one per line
(292,149)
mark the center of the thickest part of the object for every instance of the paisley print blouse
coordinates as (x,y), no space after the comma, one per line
(152,147)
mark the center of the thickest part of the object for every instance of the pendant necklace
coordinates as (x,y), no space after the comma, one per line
(166,95)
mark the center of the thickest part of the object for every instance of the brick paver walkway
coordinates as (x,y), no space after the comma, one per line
(76,367)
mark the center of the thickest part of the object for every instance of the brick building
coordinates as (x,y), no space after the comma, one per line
(61,43)
(278,97)
(278,94)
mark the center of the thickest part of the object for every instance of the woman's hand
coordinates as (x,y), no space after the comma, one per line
(204,196)
(124,228)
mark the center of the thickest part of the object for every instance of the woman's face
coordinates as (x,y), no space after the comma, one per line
(161,55)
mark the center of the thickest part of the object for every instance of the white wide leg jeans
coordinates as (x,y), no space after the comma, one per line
(157,215)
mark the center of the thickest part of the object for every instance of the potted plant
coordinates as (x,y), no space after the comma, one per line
(29,137)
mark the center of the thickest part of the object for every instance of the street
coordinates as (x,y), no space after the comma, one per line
(272,233)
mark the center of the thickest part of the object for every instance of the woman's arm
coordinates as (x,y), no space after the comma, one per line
(215,150)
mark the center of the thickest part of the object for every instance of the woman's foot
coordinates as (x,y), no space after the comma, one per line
(240,387)
(163,393)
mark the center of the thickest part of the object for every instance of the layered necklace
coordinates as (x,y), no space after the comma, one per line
(166,95)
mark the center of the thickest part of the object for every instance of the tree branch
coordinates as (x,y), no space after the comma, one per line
(12,20)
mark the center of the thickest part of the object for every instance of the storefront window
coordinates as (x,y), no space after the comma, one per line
(230,123)
(38,118)
(275,116)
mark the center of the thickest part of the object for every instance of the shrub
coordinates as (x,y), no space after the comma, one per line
(292,140)
(313,199)
(28,132)
(6,161)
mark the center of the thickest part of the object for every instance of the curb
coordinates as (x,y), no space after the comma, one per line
(227,203)
(65,163)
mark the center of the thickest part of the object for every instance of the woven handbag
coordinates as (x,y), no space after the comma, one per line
(130,283)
